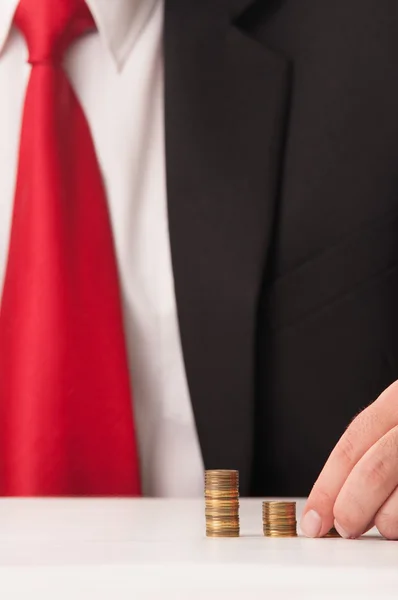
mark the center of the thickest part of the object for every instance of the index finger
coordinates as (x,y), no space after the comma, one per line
(368,427)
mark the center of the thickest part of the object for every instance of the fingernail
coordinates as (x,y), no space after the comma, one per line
(311,524)
(342,531)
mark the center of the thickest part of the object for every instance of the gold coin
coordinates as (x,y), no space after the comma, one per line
(234,506)
(221,496)
(221,501)
(279,504)
(279,529)
(218,489)
(222,482)
(277,534)
(224,534)
(227,513)
(222,485)
(221,473)
(217,521)
(280,511)
(280,525)
(279,515)
(222,509)
(226,509)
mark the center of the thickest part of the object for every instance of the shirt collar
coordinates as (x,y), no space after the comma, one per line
(119,22)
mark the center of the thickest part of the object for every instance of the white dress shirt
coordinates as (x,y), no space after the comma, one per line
(117,74)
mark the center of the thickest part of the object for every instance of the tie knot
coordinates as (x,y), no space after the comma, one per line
(50,26)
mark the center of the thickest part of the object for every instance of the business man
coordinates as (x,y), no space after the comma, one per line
(198,216)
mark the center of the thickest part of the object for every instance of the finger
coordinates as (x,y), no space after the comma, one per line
(368,427)
(368,486)
(386,519)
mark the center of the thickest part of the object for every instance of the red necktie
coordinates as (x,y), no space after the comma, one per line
(66,422)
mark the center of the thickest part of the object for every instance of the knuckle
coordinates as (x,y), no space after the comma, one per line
(388,444)
(376,474)
(345,450)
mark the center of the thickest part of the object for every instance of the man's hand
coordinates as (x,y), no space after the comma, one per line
(358,486)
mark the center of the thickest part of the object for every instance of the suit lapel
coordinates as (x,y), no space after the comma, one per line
(225,100)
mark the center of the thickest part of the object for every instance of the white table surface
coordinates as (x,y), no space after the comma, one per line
(156,549)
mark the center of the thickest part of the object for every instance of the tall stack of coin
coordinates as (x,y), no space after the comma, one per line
(279,519)
(222,503)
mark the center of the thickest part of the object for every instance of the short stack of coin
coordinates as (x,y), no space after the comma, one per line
(279,519)
(222,503)
(333,533)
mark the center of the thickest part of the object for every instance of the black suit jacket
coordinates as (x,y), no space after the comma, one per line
(282,173)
